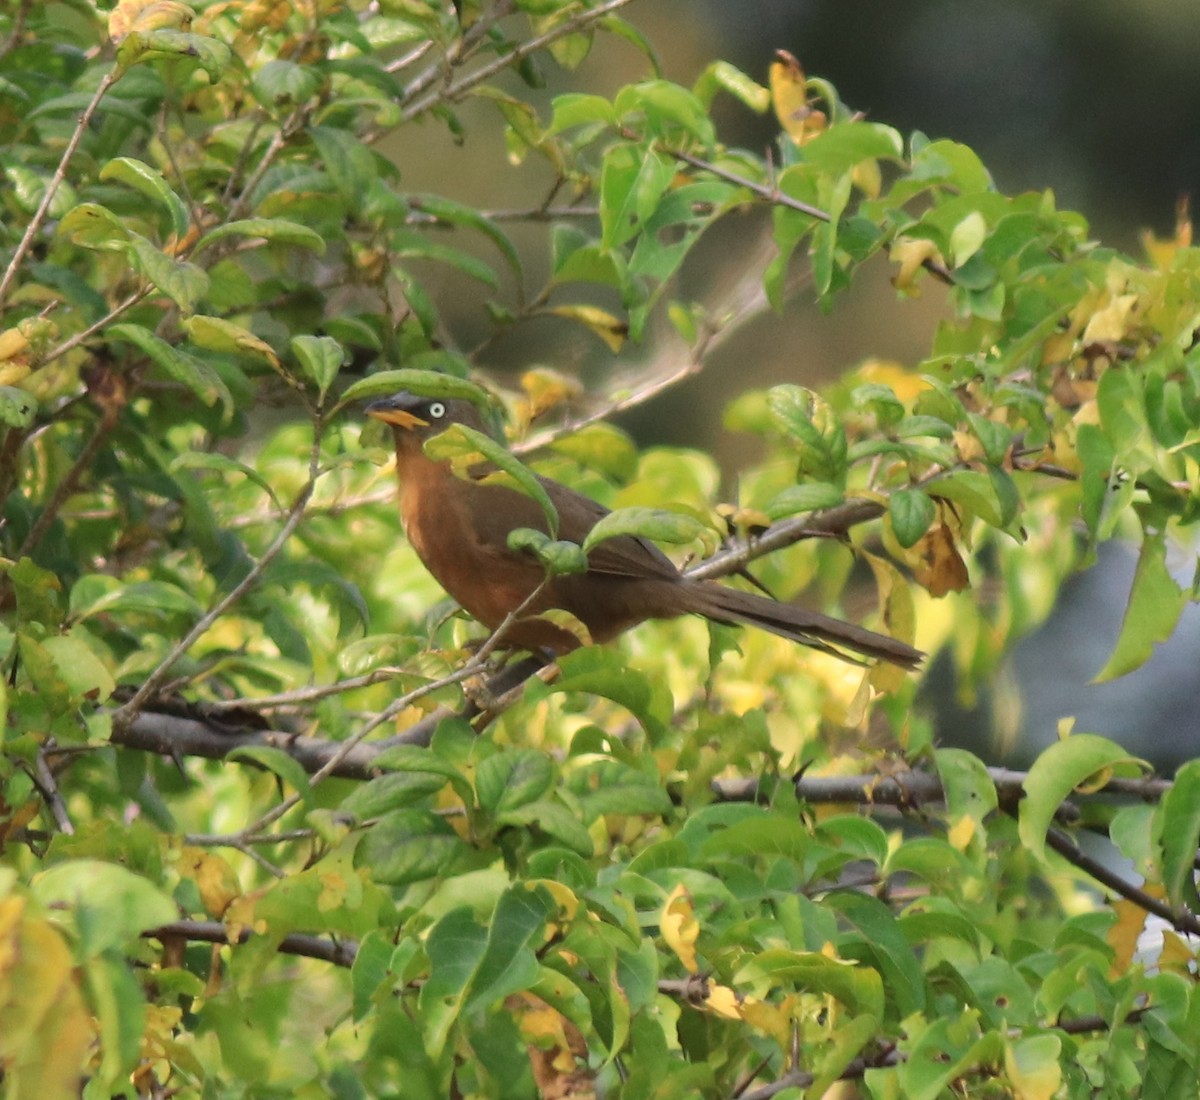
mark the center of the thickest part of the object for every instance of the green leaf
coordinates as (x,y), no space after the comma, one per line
(553,819)
(223,464)
(509,962)
(455,946)
(411,758)
(270,230)
(469,445)
(575,109)
(797,499)
(321,357)
(722,76)
(182,282)
(159,45)
(349,163)
(456,213)
(859,988)
(107,904)
(278,763)
(281,83)
(842,147)
(598,671)
(674,528)
(1155,604)
(559,558)
(912,512)
(508,780)
(390,792)
(94,226)
(85,675)
(409,845)
(424,383)
(218,334)
(632,182)
(17,408)
(193,373)
(1081,760)
(151,183)
(1179,826)
(96,594)
(884,942)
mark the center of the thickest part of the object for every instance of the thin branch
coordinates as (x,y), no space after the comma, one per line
(74,341)
(1182,921)
(458,52)
(340,953)
(44,779)
(156,678)
(60,173)
(300,696)
(455,89)
(67,486)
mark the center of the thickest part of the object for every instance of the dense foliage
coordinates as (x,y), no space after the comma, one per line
(274,828)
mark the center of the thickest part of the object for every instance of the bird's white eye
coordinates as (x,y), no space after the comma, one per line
(437,410)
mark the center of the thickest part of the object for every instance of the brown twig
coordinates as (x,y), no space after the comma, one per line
(340,953)
(60,173)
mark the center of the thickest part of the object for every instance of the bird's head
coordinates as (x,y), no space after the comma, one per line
(415,419)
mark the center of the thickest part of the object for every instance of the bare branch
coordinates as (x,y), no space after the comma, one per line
(60,173)
(340,953)
(455,89)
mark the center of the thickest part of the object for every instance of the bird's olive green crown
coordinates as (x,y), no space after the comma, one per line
(425,416)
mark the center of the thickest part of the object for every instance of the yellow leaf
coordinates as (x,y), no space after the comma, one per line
(547,388)
(910,253)
(13,342)
(789,96)
(1122,936)
(961,833)
(45,1030)
(680,928)
(905,384)
(723,1001)
(214,878)
(148,15)
(611,329)
(1110,323)
(867,177)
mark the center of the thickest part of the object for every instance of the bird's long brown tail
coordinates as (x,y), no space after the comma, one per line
(810,628)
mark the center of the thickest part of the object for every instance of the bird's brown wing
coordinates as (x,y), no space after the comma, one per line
(622,556)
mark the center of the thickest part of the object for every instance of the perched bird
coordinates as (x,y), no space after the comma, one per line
(459,528)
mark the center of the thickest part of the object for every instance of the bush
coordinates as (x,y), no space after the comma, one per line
(273,828)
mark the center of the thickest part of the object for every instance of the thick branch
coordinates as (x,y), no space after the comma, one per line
(212,931)
(172,735)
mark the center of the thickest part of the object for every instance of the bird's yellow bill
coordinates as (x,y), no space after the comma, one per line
(400,417)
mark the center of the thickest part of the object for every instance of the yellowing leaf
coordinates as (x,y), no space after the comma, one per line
(1111,323)
(723,1001)
(546,389)
(905,384)
(1122,936)
(789,95)
(214,878)
(911,253)
(1033,1067)
(148,15)
(942,568)
(680,929)
(961,832)
(217,334)
(13,342)
(611,329)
